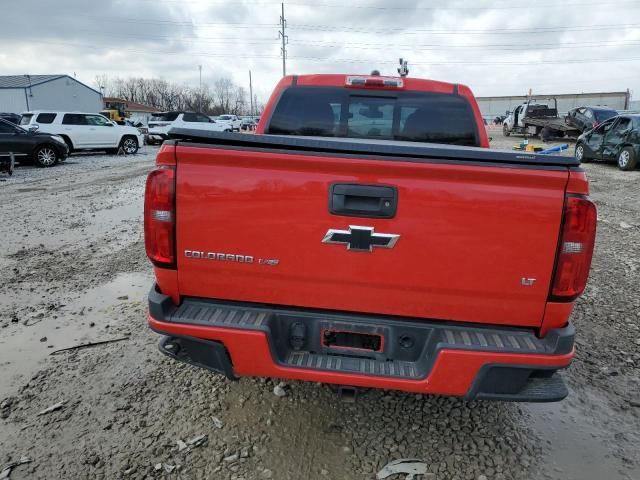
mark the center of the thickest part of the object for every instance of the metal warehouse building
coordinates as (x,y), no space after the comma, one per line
(21,93)
(491,107)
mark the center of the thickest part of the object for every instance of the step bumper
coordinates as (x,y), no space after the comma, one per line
(475,362)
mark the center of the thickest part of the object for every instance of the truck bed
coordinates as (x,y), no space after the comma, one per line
(557,124)
(396,150)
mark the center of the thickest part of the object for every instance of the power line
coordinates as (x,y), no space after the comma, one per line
(348,29)
(521,6)
(497,31)
(503,7)
(271,42)
(345,60)
(489,47)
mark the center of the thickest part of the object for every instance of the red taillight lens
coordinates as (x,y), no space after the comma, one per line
(160,216)
(576,248)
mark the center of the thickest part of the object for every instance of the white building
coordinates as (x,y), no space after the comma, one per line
(21,93)
(494,106)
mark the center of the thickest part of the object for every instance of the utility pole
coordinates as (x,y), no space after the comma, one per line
(285,41)
(200,91)
(250,94)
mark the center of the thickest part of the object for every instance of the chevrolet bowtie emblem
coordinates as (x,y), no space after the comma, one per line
(360,239)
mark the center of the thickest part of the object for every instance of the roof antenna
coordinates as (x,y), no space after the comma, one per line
(404,68)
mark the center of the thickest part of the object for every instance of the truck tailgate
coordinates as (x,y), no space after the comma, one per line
(475,243)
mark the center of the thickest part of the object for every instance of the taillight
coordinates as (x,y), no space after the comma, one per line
(575,248)
(160,216)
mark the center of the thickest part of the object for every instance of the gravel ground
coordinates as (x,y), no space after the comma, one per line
(74,271)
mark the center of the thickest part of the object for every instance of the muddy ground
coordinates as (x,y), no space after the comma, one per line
(74,271)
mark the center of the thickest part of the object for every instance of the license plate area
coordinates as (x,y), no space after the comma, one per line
(343,339)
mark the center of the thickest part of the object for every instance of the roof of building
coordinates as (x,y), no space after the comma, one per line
(131,106)
(139,107)
(24,81)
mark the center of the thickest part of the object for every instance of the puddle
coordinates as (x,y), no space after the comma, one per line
(22,352)
(578,444)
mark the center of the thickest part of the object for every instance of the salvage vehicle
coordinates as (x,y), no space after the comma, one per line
(617,139)
(85,131)
(586,118)
(366,237)
(40,148)
(538,119)
(161,123)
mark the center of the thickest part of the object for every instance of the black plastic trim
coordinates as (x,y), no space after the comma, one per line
(518,383)
(207,354)
(385,198)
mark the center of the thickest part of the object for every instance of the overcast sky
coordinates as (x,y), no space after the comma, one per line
(495,47)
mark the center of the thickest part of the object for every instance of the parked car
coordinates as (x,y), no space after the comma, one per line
(85,131)
(43,149)
(10,117)
(161,123)
(248,123)
(231,120)
(586,118)
(357,240)
(617,139)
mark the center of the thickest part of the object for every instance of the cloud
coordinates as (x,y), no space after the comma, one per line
(492,47)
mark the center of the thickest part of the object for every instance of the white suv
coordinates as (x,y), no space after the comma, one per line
(231,120)
(161,123)
(85,130)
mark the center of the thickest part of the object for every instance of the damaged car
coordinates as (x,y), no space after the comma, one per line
(617,139)
(586,118)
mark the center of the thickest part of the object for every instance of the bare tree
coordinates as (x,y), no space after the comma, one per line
(224,97)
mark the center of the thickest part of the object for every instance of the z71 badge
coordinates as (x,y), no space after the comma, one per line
(229,257)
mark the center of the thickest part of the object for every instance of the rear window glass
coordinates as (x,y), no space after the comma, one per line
(602,115)
(409,116)
(46,118)
(165,117)
(73,119)
(26,119)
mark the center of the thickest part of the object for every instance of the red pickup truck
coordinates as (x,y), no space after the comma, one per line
(362,239)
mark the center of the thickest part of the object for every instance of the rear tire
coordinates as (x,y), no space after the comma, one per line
(627,159)
(545,134)
(505,130)
(129,145)
(45,156)
(67,140)
(580,153)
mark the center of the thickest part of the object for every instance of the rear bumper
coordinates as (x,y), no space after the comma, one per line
(414,356)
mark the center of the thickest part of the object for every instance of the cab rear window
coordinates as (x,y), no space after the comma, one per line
(46,117)
(409,116)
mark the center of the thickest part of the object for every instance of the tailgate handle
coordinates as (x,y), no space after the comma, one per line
(356,200)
